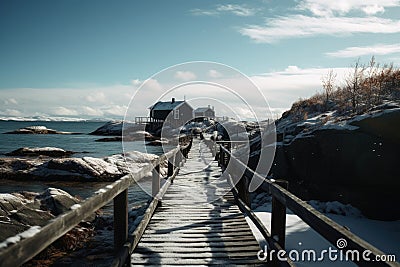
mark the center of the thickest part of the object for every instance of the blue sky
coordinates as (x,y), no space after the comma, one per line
(86,58)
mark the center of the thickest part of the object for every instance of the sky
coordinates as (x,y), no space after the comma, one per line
(87,58)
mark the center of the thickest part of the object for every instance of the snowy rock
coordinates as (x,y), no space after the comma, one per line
(76,169)
(20,211)
(23,214)
(335,207)
(56,201)
(345,159)
(38,130)
(40,151)
(109,128)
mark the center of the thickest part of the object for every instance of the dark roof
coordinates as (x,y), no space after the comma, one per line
(202,109)
(166,105)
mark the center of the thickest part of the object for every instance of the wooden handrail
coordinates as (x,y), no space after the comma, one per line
(24,250)
(326,227)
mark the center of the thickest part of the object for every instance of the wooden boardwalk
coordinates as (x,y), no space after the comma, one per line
(198,222)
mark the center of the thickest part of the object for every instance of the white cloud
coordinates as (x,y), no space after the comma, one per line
(214,74)
(152,84)
(238,10)
(84,102)
(12,101)
(116,110)
(342,7)
(201,12)
(374,9)
(92,111)
(136,82)
(296,26)
(185,76)
(357,51)
(282,88)
(98,97)
(11,112)
(63,111)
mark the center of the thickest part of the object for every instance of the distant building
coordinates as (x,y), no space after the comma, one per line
(175,113)
(204,112)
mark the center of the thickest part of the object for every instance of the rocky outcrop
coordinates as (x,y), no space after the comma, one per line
(23,210)
(351,160)
(23,214)
(40,151)
(130,136)
(38,130)
(109,128)
(73,169)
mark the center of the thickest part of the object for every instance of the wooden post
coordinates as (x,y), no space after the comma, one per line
(242,188)
(155,185)
(120,219)
(221,156)
(176,160)
(171,166)
(228,156)
(278,218)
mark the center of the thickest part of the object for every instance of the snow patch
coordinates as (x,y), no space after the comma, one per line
(30,232)
(75,206)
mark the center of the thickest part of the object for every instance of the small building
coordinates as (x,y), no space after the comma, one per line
(175,113)
(204,112)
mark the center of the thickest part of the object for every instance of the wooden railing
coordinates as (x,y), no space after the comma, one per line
(282,199)
(26,248)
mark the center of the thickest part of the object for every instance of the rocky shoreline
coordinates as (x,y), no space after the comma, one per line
(351,159)
(59,168)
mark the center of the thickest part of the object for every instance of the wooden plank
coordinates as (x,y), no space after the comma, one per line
(187,229)
(198,255)
(197,230)
(179,249)
(187,262)
(199,244)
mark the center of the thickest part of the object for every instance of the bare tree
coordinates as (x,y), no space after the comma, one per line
(353,84)
(328,83)
(369,82)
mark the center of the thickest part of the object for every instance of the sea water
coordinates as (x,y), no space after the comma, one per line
(80,143)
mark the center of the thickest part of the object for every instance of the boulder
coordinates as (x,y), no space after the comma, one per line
(40,151)
(109,128)
(352,161)
(56,201)
(20,211)
(29,211)
(38,130)
(75,169)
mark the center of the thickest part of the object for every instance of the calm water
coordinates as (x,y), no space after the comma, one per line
(79,143)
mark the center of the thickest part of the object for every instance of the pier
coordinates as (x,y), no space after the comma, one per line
(198,222)
(196,216)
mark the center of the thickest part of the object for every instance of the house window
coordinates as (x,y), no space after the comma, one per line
(176,114)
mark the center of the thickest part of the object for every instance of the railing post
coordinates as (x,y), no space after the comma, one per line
(242,188)
(171,162)
(176,159)
(228,156)
(221,156)
(278,217)
(120,219)
(155,185)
